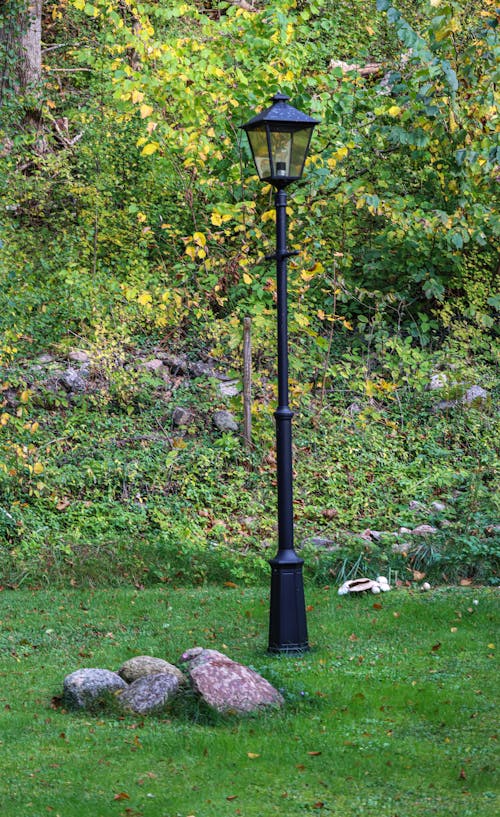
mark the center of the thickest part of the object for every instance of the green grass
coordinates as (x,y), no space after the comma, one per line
(390,714)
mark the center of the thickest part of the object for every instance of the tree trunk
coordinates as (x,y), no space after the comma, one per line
(20,46)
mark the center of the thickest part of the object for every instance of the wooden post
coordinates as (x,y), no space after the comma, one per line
(247,382)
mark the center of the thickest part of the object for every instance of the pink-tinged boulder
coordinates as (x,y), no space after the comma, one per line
(226,686)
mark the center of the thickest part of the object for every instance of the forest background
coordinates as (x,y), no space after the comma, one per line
(133,233)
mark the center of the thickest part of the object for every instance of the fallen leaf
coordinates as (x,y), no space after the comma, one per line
(122,796)
(318,804)
(418,576)
(435,647)
(353,637)
(230,584)
(314,754)
(232,797)
(309,608)
(462,775)
(465,582)
(377,606)
(252,755)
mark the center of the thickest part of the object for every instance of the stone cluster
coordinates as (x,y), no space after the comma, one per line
(145,684)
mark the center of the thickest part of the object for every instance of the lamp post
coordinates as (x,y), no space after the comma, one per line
(279,139)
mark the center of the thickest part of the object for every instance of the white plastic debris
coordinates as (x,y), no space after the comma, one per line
(425,587)
(364,586)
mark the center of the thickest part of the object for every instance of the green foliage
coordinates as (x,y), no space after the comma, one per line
(131,217)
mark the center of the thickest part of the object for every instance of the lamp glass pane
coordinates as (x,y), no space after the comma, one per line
(258,143)
(281,150)
(299,149)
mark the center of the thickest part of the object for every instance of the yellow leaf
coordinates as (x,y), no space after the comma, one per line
(247,278)
(145,298)
(269,215)
(38,468)
(252,755)
(191,251)
(341,153)
(216,219)
(150,148)
(151,126)
(146,110)
(4,419)
(79,4)
(370,31)
(394,110)
(25,396)
(137,96)
(199,238)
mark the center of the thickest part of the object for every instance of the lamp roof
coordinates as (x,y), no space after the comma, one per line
(280,113)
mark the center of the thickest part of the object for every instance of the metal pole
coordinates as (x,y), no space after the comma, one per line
(287,622)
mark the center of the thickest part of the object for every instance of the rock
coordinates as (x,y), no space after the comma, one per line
(415,505)
(142,665)
(73,379)
(438,507)
(405,530)
(45,359)
(322,542)
(224,421)
(438,381)
(154,365)
(400,547)
(424,530)
(425,587)
(78,356)
(181,417)
(226,686)
(229,388)
(475,394)
(85,687)
(149,693)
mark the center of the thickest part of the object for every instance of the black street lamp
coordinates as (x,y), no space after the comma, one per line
(279,138)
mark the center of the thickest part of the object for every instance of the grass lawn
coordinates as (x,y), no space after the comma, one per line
(392,713)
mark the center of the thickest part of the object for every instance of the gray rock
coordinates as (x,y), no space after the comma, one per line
(74,380)
(438,507)
(400,547)
(424,530)
(154,365)
(149,693)
(45,359)
(322,542)
(85,687)
(224,421)
(226,686)
(181,417)
(475,394)
(438,381)
(79,356)
(415,505)
(229,388)
(142,665)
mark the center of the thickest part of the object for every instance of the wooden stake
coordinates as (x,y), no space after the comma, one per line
(247,382)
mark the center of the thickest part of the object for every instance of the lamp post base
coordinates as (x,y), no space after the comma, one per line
(287,622)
